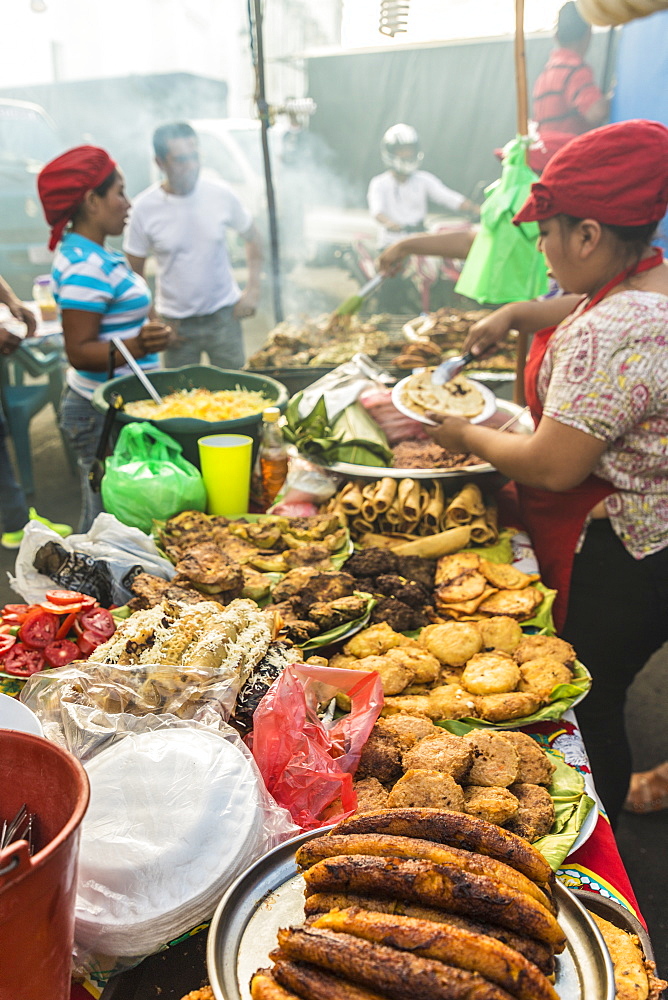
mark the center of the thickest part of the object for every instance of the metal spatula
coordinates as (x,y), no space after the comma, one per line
(150,388)
(451,367)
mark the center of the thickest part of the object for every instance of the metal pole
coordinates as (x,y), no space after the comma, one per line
(263,109)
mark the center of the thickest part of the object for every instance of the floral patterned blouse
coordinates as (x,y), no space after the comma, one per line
(605,372)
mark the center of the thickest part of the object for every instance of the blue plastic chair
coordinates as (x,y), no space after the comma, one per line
(21,401)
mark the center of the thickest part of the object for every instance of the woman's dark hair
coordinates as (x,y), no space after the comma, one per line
(634,239)
(100,191)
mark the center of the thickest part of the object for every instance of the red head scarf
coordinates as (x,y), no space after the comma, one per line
(617,174)
(63,182)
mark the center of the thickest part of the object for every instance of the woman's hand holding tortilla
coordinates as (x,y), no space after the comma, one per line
(449,432)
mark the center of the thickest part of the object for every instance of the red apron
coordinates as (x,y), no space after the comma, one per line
(555,520)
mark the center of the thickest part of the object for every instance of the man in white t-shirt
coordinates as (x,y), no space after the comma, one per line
(183,223)
(399,198)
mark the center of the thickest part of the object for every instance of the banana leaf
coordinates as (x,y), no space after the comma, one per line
(342,631)
(362,442)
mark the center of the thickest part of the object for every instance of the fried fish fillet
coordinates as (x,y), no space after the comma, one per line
(454,946)
(535,951)
(383,846)
(264,987)
(388,970)
(312,983)
(446,887)
(456,829)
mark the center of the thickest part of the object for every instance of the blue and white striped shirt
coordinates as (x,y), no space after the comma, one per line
(91,278)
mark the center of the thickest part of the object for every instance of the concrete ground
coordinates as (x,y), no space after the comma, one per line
(642,839)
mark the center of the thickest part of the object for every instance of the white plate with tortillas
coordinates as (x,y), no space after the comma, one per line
(416,395)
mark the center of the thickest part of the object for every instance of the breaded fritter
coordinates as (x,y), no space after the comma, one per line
(393,676)
(494,759)
(490,673)
(440,752)
(416,726)
(450,701)
(381,756)
(375,640)
(370,795)
(535,766)
(452,643)
(496,805)
(533,646)
(420,704)
(502,707)
(500,633)
(424,666)
(541,675)
(535,815)
(427,788)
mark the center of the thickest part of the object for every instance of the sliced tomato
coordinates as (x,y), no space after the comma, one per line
(99,621)
(22,662)
(6,643)
(39,629)
(61,652)
(89,602)
(60,609)
(15,609)
(88,642)
(65,596)
(18,616)
(66,625)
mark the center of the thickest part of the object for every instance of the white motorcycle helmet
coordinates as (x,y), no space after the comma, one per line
(400,149)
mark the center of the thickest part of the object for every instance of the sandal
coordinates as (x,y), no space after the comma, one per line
(648,791)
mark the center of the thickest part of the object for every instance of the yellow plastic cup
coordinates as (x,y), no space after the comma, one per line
(225,460)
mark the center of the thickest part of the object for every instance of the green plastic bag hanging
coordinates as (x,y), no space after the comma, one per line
(148,478)
(504,264)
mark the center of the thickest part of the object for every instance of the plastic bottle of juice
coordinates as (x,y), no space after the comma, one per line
(43,296)
(271,463)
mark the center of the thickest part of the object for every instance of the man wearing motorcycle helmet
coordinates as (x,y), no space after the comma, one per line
(399,198)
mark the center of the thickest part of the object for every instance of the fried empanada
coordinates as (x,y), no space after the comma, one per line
(466,587)
(506,577)
(518,604)
(448,568)
(500,633)
(452,643)
(462,609)
(490,673)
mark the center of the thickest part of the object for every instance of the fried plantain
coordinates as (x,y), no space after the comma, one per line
(535,951)
(445,887)
(381,845)
(312,983)
(456,829)
(461,948)
(386,969)
(264,987)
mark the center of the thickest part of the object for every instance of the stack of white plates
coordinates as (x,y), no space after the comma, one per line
(174,818)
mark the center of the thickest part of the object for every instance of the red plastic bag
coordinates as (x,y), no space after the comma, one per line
(306,767)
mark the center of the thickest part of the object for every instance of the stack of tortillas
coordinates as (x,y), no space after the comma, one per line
(611,12)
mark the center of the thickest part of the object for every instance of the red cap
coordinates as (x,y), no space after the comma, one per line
(617,174)
(63,183)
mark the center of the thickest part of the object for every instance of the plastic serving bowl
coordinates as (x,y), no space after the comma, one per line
(187,430)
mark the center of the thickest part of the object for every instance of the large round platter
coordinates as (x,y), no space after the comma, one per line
(523,425)
(488,409)
(270,895)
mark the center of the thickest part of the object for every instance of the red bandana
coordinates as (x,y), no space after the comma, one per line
(63,182)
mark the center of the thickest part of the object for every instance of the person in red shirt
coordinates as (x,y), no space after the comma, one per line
(566,100)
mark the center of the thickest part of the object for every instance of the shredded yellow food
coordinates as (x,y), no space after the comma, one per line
(202,404)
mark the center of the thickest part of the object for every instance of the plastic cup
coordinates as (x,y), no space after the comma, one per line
(225,460)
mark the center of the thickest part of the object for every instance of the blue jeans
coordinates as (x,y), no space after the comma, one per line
(218,334)
(82,426)
(13,508)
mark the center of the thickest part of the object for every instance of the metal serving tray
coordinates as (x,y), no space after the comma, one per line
(270,895)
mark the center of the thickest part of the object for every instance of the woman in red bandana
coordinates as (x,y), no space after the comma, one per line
(592,481)
(100,297)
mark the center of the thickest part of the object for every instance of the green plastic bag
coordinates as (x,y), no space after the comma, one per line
(504,264)
(147,478)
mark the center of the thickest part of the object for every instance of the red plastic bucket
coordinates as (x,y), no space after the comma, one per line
(37,893)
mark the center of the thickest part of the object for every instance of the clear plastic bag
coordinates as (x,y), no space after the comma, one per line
(307,485)
(102,563)
(307,764)
(343,385)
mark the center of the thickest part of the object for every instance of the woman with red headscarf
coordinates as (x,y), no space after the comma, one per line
(592,481)
(100,297)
